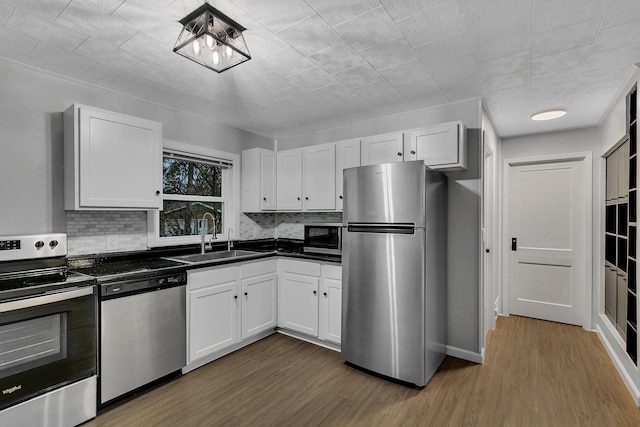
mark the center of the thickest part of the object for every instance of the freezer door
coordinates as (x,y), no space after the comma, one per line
(387,193)
(383,302)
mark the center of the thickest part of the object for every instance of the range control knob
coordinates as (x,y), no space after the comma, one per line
(39,244)
(53,244)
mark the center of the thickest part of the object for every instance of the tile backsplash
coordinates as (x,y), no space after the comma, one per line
(87,231)
(291,224)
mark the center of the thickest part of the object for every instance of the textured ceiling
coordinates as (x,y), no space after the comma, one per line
(324,63)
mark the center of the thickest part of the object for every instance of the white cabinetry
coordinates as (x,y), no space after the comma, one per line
(258,180)
(347,156)
(318,177)
(387,148)
(330,308)
(213,310)
(310,298)
(298,284)
(111,161)
(289,180)
(442,147)
(229,304)
(258,297)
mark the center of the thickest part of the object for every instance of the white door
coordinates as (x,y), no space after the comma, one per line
(319,174)
(331,310)
(258,304)
(289,180)
(268,180)
(347,156)
(547,217)
(298,303)
(381,149)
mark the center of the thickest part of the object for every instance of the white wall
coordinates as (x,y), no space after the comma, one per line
(31,105)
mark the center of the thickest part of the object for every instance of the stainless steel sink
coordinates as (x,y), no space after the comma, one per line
(214,256)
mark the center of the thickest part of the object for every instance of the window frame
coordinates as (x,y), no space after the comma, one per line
(230,197)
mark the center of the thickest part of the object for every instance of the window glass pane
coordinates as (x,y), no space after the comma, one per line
(191,178)
(180,218)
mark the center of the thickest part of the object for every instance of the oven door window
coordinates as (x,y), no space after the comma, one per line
(27,344)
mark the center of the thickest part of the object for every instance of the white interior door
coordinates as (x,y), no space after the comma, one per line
(547,260)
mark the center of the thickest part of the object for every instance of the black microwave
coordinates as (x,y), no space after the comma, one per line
(323,238)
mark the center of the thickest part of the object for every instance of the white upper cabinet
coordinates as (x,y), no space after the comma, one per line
(258,180)
(347,156)
(387,148)
(289,180)
(111,160)
(442,147)
(318,179)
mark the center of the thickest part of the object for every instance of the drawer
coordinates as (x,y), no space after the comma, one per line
(305,268)
(332,272)
(211,276)
(257,268)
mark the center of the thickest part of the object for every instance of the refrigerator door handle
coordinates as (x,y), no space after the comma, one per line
(395,228)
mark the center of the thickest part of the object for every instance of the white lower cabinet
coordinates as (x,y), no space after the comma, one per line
(213,310)
(310,298)
(330,309)
(229,304)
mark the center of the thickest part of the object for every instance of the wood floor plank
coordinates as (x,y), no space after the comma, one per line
(536,373)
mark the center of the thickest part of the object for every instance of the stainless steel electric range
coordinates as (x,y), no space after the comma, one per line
(48,345)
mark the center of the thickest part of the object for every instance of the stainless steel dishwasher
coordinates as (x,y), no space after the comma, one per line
(142,334)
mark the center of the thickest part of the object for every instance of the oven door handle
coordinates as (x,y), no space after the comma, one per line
(45,299)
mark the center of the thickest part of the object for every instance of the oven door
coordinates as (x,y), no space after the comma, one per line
(46,342)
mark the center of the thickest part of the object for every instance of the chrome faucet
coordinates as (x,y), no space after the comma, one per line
(202,232)
(229,244)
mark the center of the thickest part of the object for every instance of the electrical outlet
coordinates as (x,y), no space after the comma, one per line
(112,242)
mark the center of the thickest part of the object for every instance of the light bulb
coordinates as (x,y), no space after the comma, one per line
(215,57)
(209,41)
(196,47)
(228,52)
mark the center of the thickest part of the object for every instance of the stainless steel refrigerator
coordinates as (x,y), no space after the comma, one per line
(394,270)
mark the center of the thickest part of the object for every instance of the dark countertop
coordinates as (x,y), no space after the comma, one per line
(157,261)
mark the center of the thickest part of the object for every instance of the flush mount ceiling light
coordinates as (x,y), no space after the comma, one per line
(212,39)
(548,114)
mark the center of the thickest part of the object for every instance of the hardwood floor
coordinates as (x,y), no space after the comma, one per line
(536,373)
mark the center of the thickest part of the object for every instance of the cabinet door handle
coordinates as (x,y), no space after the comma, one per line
(306,198)
(324,293)
(399,154)
(264,198)
(246,294)
(298,198)
(157,193)
(235,297)
(315,293)
(413,152)
(340,197)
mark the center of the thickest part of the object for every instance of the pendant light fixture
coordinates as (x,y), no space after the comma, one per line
(212,39)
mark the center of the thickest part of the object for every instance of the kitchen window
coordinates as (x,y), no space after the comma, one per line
(195,182)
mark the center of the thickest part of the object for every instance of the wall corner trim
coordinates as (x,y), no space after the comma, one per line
(466,354)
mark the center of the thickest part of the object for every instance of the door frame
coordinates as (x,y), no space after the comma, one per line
(587,176)
(490,272)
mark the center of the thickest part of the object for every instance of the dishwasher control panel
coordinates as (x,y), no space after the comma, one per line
(119,289)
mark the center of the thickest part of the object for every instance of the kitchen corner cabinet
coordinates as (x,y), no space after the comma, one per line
(347,156)
(258,180)
(111,161)
(227,305)
(387,148)
(442,147)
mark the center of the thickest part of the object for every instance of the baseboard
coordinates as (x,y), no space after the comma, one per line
(626,378)
(217,355)
(312,340)
(466,354)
